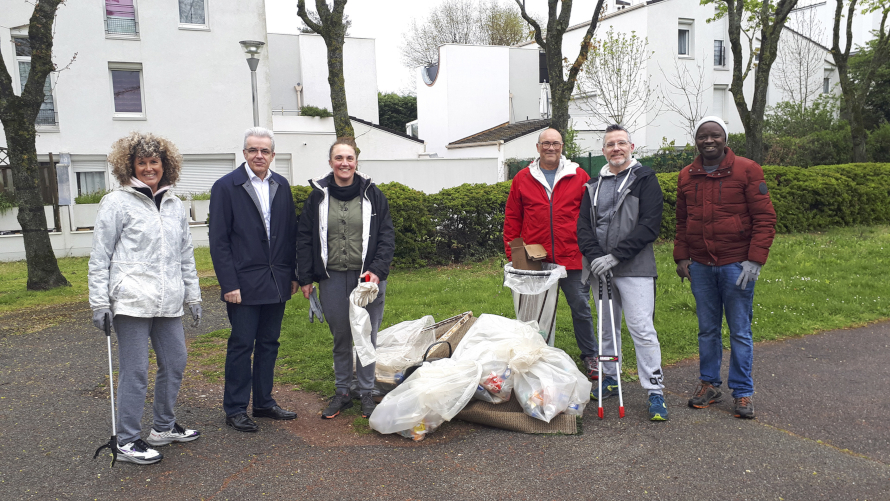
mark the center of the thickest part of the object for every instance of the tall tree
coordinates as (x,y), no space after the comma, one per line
(855,93)
(19,115)
(616,78)
(561,85)
(769,18)
(332,29)
(463,22)
(800,62)
(683,93)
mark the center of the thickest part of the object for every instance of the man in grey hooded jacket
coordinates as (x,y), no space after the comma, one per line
(620,219)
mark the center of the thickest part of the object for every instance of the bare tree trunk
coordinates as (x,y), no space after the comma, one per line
(561,87)
(854,94)
(18,115)
(333,31)
(771,29)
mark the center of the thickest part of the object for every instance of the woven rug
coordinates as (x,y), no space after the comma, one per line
(509,416)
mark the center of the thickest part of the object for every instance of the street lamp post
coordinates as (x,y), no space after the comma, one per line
(253,48)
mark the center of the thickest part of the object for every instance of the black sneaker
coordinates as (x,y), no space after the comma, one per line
(744,408)
(368,405)
(705,395)
(338,403)
(590,368)
(610,389)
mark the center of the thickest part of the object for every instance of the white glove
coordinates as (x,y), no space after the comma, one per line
(601,265)
(750,272)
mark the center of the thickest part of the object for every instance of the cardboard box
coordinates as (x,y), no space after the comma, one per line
(527,256)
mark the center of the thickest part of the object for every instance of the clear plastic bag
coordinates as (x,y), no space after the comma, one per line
(403,345)
(533,282)
(435,393)
(360,321)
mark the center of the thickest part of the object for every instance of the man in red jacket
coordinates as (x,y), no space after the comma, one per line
(725,227)
(543,208)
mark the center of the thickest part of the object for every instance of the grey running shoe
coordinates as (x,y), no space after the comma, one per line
(705,395)
(590,368)
(338,403)
(175,434)
(368,405)
(138,452)
(744,408)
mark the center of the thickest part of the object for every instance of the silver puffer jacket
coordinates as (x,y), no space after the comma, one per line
(142,263)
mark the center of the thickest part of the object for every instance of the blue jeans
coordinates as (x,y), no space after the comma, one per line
(255,330)
(715,292)
(578,297)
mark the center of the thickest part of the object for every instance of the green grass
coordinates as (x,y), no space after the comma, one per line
(14,295)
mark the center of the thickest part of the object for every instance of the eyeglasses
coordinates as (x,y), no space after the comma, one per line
(551,144)
(622,144)
(253,151)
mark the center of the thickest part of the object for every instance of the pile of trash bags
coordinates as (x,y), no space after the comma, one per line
(497,359)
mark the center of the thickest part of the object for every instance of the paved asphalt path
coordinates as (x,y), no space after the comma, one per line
(822,432)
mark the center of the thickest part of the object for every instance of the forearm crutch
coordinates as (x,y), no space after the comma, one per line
(608,358)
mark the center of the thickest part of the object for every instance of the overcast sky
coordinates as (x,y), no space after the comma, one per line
(387,21)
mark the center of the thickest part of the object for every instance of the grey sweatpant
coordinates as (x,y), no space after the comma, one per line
(635,296)
(168,340)
(334,295)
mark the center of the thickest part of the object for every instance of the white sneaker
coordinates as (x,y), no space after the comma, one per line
(137,452)
(177,434)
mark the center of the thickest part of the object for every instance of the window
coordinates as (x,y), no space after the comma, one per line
(683,42)
(719,53)
(719,100)
(193,14)
(120,18)
(47,113)
(826,85)
(127,92)
(90,182)
(685,37)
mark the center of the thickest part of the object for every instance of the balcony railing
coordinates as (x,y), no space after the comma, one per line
(121,26)
(47,117)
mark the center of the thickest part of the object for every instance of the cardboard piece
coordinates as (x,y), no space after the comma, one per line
(527,256)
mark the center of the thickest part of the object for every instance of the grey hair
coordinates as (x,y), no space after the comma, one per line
(614,127)
(545,130)
(259,132)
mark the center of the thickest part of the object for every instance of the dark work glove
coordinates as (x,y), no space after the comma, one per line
(196,311)
(750,272)
(101,316)
(315,310)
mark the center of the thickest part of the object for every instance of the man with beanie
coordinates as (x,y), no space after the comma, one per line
(725,227)
(620,218)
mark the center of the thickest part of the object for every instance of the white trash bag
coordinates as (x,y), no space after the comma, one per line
(535,295)
(360,321)
(403,345)
(434,393)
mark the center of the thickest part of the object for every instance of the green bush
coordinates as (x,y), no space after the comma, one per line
(7,201)
(91,198)
(204,195)
(315,111)
(469,221)
(736,143)
(301,194)
(415,231)
(824,147)
(396,110)
(878,144)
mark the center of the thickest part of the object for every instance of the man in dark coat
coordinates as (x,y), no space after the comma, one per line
(252,243)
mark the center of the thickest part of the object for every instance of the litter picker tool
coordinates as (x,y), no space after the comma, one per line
(112,443)
(614,358)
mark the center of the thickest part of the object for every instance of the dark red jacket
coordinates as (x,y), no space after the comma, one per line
(726,216)
(541,219)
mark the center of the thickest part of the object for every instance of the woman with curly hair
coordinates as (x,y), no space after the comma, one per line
(141,271)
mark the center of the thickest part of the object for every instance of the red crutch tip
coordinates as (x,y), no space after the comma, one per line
(621,412)
(600,412)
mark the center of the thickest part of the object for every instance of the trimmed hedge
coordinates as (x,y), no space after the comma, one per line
(466,222)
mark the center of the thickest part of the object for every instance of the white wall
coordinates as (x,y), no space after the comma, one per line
(359,72)
(308,140)
(524,83)
(431,175)
(196,83)
(471,93)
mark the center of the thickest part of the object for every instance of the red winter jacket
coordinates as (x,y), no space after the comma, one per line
(726,216)
(539,218)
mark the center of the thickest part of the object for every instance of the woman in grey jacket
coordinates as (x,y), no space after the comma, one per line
(141,271)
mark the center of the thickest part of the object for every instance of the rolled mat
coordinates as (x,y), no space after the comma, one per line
(509,416)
